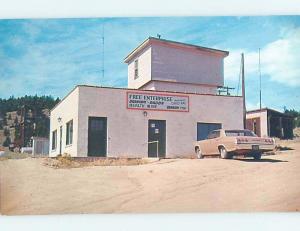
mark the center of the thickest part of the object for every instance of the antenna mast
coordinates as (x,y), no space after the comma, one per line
(259,78)
(102,38)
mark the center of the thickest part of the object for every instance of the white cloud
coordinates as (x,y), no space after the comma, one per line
(252,106)
(54,67)
(279,60)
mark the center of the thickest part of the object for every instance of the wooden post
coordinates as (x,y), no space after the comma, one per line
(280,124)
(269,125)
(23,123)
(243,91)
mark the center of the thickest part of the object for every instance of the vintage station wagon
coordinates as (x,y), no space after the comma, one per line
(228,143)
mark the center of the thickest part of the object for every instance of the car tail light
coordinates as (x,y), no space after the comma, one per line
(241,140)
(269,140)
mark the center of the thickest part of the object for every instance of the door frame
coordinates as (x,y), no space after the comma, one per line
(148,121)
(60,139)
(88,131)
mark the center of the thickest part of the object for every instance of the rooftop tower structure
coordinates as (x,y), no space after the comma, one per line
(164,65)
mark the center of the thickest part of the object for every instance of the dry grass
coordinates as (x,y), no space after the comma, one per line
(13,155)
(296,132)
(3,158)
(66,161)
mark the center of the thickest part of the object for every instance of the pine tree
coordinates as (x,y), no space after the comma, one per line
(6,132)
(7,142)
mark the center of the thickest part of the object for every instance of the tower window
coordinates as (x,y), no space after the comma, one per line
(136,69)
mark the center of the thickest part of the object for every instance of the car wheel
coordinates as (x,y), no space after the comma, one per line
(257,156)
(199,153)
(223,153)
(230,155)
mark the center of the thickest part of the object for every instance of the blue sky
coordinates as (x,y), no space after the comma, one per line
(51,56)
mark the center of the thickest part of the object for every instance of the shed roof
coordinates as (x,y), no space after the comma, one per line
(269,110)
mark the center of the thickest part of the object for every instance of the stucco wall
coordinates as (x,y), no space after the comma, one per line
(179,87)
(263,115)
(128,129)
(67,110)
(144,67)
(187,66)
(168,63)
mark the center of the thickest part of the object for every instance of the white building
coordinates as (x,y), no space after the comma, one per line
(171,101)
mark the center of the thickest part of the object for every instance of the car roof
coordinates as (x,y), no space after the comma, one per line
(237,130)
(216,130)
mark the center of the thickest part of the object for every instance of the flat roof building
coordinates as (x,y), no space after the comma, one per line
(269,122)
(171,101)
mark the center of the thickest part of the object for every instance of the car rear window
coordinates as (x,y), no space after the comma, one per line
(239,133)
(213,134)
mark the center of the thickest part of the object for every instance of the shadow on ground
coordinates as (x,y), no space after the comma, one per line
(283,148)
(261,160)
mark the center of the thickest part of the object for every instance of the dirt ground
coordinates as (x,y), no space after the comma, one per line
(170,185)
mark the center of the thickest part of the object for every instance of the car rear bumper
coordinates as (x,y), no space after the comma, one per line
(250,148)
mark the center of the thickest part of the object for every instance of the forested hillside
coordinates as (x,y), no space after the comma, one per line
(32,102)
(24,117)
(295,114)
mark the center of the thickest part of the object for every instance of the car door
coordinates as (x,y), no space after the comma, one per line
(215,142)
(210,143)
(204,144)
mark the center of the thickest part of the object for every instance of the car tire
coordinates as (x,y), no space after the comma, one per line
(199,153)
(230,155)
(223,153)
(257,156)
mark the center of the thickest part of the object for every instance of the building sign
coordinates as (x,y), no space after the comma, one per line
(160,102)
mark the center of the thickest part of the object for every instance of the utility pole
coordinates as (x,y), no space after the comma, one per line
(23,124)
(259,79)
(243,91)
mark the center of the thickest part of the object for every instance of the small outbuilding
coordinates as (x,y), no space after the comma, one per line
(40,146)
(269,122)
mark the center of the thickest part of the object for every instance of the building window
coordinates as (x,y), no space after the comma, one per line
(54,139)
(69,138)
(254,127)
(136,69)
